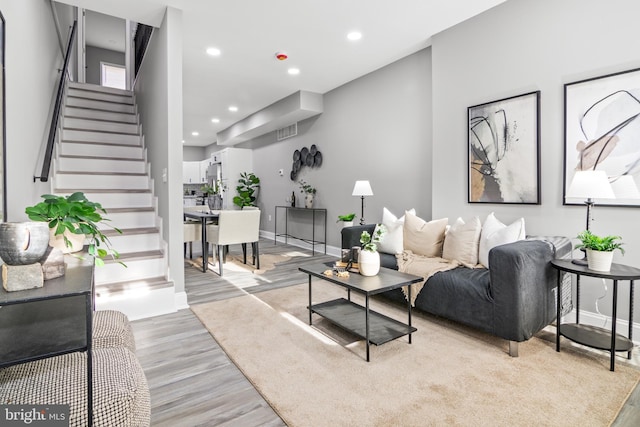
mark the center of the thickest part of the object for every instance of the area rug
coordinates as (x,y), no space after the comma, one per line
(450,375)
(234,263)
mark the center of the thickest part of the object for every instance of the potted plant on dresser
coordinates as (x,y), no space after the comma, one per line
(599,249)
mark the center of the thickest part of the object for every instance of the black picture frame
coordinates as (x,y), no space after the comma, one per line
(503,160)
(602,132)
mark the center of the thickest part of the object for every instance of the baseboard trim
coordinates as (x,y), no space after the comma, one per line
(331,250)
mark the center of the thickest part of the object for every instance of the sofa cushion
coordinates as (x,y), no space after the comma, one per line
(392,242)
(495,233)
(461,242)
(422,237)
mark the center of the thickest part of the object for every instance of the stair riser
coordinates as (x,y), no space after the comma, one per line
(100,96)
(139,305)
(97,125)
(121,200)
(100,89)
(98,150)
(101,137)
(100,115)
(101,182)
(124,243)
(100,105)
(71,164)
(129,220)
(135,270)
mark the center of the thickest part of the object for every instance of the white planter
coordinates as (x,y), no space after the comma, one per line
(347,224)
(308,200)
(77,241)
(598,260)
(369,263)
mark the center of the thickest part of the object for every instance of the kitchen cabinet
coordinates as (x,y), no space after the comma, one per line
(191,172)
(204,166)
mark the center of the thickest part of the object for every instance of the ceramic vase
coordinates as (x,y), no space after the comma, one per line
(23,243)
(347,224)
(369,263)
(215,202)
(308,200)
(599,260)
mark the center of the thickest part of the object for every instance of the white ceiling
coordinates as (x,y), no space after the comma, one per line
(311,32)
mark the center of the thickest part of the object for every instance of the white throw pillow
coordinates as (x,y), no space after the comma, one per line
(422,237)
(392,241)
(495,233)
(461,242)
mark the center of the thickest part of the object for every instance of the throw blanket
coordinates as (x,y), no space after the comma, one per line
(422,266)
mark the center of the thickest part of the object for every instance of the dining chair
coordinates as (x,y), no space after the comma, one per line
(236,227)
(192,232)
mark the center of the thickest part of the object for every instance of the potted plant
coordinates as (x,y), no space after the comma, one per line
(369,260)
(74,216)
(248,186)
(599,249)
(309,192)
(214,194)
(347,220)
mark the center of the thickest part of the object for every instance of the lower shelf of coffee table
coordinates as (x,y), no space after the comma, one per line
(352,317)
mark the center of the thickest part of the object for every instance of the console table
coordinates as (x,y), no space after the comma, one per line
(593,336)
(314,213)
(50,321)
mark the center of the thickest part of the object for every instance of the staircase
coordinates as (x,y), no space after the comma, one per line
(101,153)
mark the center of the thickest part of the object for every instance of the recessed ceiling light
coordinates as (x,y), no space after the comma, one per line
(293,71)
(195,133)
(213,51)
(233,108)
(215,120)
(354,35)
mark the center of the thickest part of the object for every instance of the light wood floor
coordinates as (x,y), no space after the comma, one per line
(191,379)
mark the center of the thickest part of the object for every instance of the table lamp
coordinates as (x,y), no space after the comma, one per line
(362,188)
(589,185)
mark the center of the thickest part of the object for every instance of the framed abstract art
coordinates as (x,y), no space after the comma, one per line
(602,133)
(504,151)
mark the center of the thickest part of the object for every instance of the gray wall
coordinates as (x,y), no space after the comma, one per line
(159,95)
(193,154)
(95,55)
(518,47)
(377,127)
(31,70)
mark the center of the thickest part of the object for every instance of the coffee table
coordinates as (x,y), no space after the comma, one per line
(374,327)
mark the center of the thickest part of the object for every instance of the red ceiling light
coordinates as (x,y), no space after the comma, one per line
(281,56)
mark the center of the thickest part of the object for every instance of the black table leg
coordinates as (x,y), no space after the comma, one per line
(309,299)
(205,246)
(409,310)
(559,293)
(613,325)
(367,323)
(630,317)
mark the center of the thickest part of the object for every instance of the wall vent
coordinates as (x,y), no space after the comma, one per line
(287,132)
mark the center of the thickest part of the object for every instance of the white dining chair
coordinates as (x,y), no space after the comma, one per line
(236,227)
(192,232)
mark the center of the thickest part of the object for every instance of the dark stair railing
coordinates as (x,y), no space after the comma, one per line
(140,42)
(46,164)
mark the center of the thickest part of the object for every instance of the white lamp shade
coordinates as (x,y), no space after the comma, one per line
(362,188)
(590,185)
(625,188)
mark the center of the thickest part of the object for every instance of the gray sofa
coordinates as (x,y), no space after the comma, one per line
(513,299)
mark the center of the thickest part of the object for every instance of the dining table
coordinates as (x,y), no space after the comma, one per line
(205,217)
